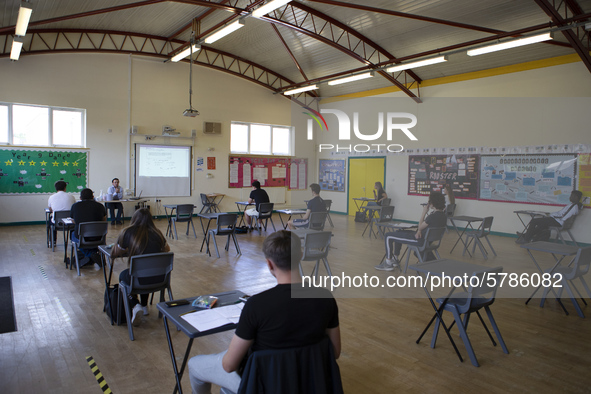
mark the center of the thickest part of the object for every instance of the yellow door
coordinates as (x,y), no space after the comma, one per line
(363,174)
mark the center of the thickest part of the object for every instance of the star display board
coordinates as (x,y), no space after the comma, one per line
(24,171)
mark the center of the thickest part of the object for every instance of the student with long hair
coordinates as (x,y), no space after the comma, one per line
(379,193)
(141,237)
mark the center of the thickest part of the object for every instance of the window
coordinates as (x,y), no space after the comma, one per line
(260,139)
(36,125)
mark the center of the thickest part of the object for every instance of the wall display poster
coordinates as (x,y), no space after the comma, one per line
(25,171)
(585,178)
(297,175)
(332,175)
(269,171)
(211,163)
(535,179)
(431,172)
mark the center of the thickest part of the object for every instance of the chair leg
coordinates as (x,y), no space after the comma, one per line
(490,245)
(215,244)
(493,323)
(585,286)
(52,241)
(329,220)
(194,232)
(123,293)
(273,224)
(176,236)
(486,328)
(481,247)
(301,269)
(407,259)
(77,261)
(236,243)
(227,247)
(327,267)
(316,270)
(572,297)
(464,336)
(436,331)
(572,238)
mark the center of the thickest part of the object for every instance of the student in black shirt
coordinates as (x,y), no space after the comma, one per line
(316,204)
(86,210)
(435,219)
(257,196)
(273,319)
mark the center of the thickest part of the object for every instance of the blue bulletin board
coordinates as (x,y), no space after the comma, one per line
(332,175)
(535,179)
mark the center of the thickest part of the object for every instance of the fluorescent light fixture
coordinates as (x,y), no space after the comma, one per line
(17,44)
(300,90)
(232,27)
(351,78)
(181,55)
(420,63)
(510,44)
(270,6)
(24,14)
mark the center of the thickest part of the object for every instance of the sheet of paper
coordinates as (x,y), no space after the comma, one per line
(293,176)
(302,176)
(234,172)
(246,182)
(278,172)
(260,174)
(212,318)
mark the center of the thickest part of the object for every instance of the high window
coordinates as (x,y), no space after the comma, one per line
(261,139)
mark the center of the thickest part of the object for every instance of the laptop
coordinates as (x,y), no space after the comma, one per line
(136,198)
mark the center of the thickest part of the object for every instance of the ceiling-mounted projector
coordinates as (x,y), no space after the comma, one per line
(191,112)
(168,131)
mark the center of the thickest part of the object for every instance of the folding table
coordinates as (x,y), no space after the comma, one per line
(532,215)
(558,251)
(174,314)
(244,204)
(469,220)
(372,209)
(290,212)
(172,208)
(451,268)
(362,201)
(209,216)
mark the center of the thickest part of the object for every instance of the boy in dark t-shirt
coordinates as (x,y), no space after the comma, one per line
(316,204)
(274,319)
(257,196)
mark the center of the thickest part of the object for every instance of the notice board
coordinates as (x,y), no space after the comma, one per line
(332,175)
(535,179)
(269,171)
(429,173)
(585,178)
(28,171)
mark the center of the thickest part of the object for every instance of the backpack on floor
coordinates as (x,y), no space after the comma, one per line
(360,217)
(113,294)
(542,235)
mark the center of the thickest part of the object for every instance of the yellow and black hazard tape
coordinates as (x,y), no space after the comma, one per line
(42,270)
(98,375)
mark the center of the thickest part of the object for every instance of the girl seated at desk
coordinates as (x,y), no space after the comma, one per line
(141,237)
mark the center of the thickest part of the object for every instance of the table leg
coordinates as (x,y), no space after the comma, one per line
(460,236)
(178,375)
(438,315)
(107,284)
(558,261)
(168,219)
(241,214)
(204,232)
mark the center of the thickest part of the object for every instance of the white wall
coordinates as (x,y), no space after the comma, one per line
(536,107)
(157,95)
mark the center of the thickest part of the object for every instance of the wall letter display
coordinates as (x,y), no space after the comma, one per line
(332,175)
(536,179)
(431,172)
(25,171)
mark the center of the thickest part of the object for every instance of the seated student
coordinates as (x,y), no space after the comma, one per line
(538,229)
(60,201)
(379,194)
(257,196)
(437,218)
(141,237)
(316,204)
(451,199)
(87,210)
(272,319)
(117,194)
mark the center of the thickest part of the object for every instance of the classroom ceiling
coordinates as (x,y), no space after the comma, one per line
(311,41)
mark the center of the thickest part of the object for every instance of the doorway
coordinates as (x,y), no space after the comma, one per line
(363,174)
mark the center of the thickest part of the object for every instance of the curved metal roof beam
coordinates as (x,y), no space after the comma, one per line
(43,41)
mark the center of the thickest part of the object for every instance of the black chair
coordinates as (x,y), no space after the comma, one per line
(386,215)
(316,246)
(566,226)
(184,213)
(433,237)
(155,265)
(57,224)
(466,303)
(386,202)
(576,269)
(208,206)
(476,235)
(309,369)
(450,210)
(317,221)
(226,225)
(328,203)
(266,214)
(90,235)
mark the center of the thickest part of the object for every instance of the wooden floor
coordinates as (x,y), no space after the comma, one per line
(60,323)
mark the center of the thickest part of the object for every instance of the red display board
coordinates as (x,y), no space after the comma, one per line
(269,171)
